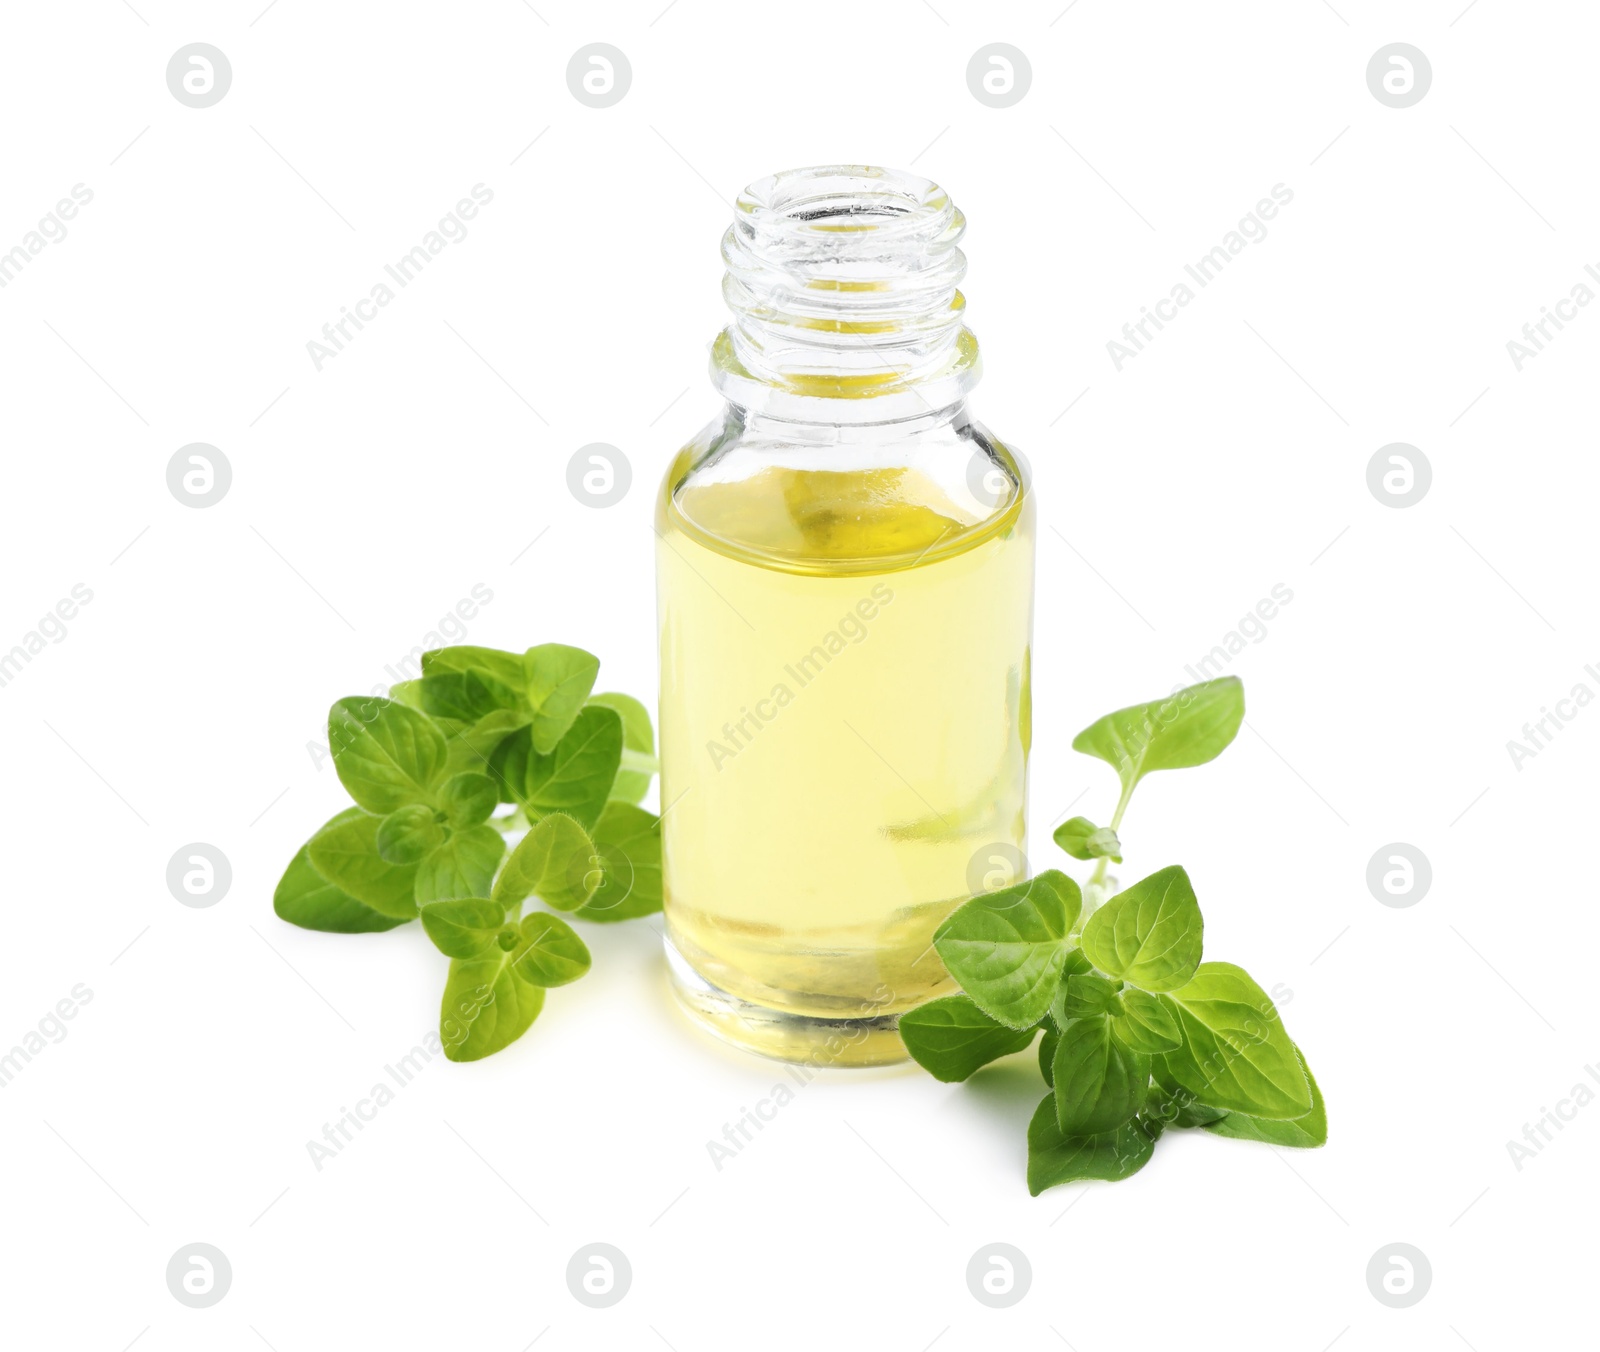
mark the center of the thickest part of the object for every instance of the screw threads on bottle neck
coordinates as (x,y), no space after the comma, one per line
(843,281)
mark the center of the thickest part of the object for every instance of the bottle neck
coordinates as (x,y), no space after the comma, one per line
(844,287)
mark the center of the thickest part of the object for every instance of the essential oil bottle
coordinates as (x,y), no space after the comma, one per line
(845,588)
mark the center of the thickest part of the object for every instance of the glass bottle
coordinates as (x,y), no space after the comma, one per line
(845,592)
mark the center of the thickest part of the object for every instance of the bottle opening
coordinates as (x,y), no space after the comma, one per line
(844,285)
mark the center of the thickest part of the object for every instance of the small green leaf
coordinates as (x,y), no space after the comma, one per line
(1006,948)
(305,898)
(1082,995)
(1150,934)
(638,737)
(408,833)
(951,1038)
(549,952)
(1236,1054)
(1056,1157)
(558,679)
(1082,839)
(462,867)
(1304,1132)
(627,842)
(556,860)
(1189,727)
(345,852)
(501,667)
(1047,1054)
(466,696)
(475,746)
(464,928)
(466,799)
(486,1006)
(1146,1025)
(577,776)
(1099,1083)
(407,692)
(386,754)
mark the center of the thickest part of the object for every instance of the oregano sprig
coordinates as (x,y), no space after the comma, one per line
(1139,1033)
(428,769)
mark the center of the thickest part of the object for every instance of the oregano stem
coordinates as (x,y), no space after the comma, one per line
(1098,877)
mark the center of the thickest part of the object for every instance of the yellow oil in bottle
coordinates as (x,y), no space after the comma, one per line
(844,727)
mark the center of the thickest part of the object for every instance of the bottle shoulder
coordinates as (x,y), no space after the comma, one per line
(853,499)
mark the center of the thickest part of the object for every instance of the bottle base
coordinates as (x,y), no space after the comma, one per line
(800,1039)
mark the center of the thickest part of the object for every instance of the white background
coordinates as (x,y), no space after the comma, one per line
(369,497)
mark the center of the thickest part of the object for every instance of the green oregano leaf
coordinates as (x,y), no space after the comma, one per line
(464,928)
(474,748)
(1099,1084)
(556,860)
(461,867)
(1006,948)
(951,1038)
(1146,1025)
(1189,727)
(1150,934)
(576,777)
(638,738)
(408,833)
(548,952)
(467,798)
(345,852)
(305,898)
(386,754)
(1305,1132)
(558,680)
(1082,839)
(627,843)
(1047,1054)
(1236,1053)
(486,1006)
(1082,995)
(1056,1156)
